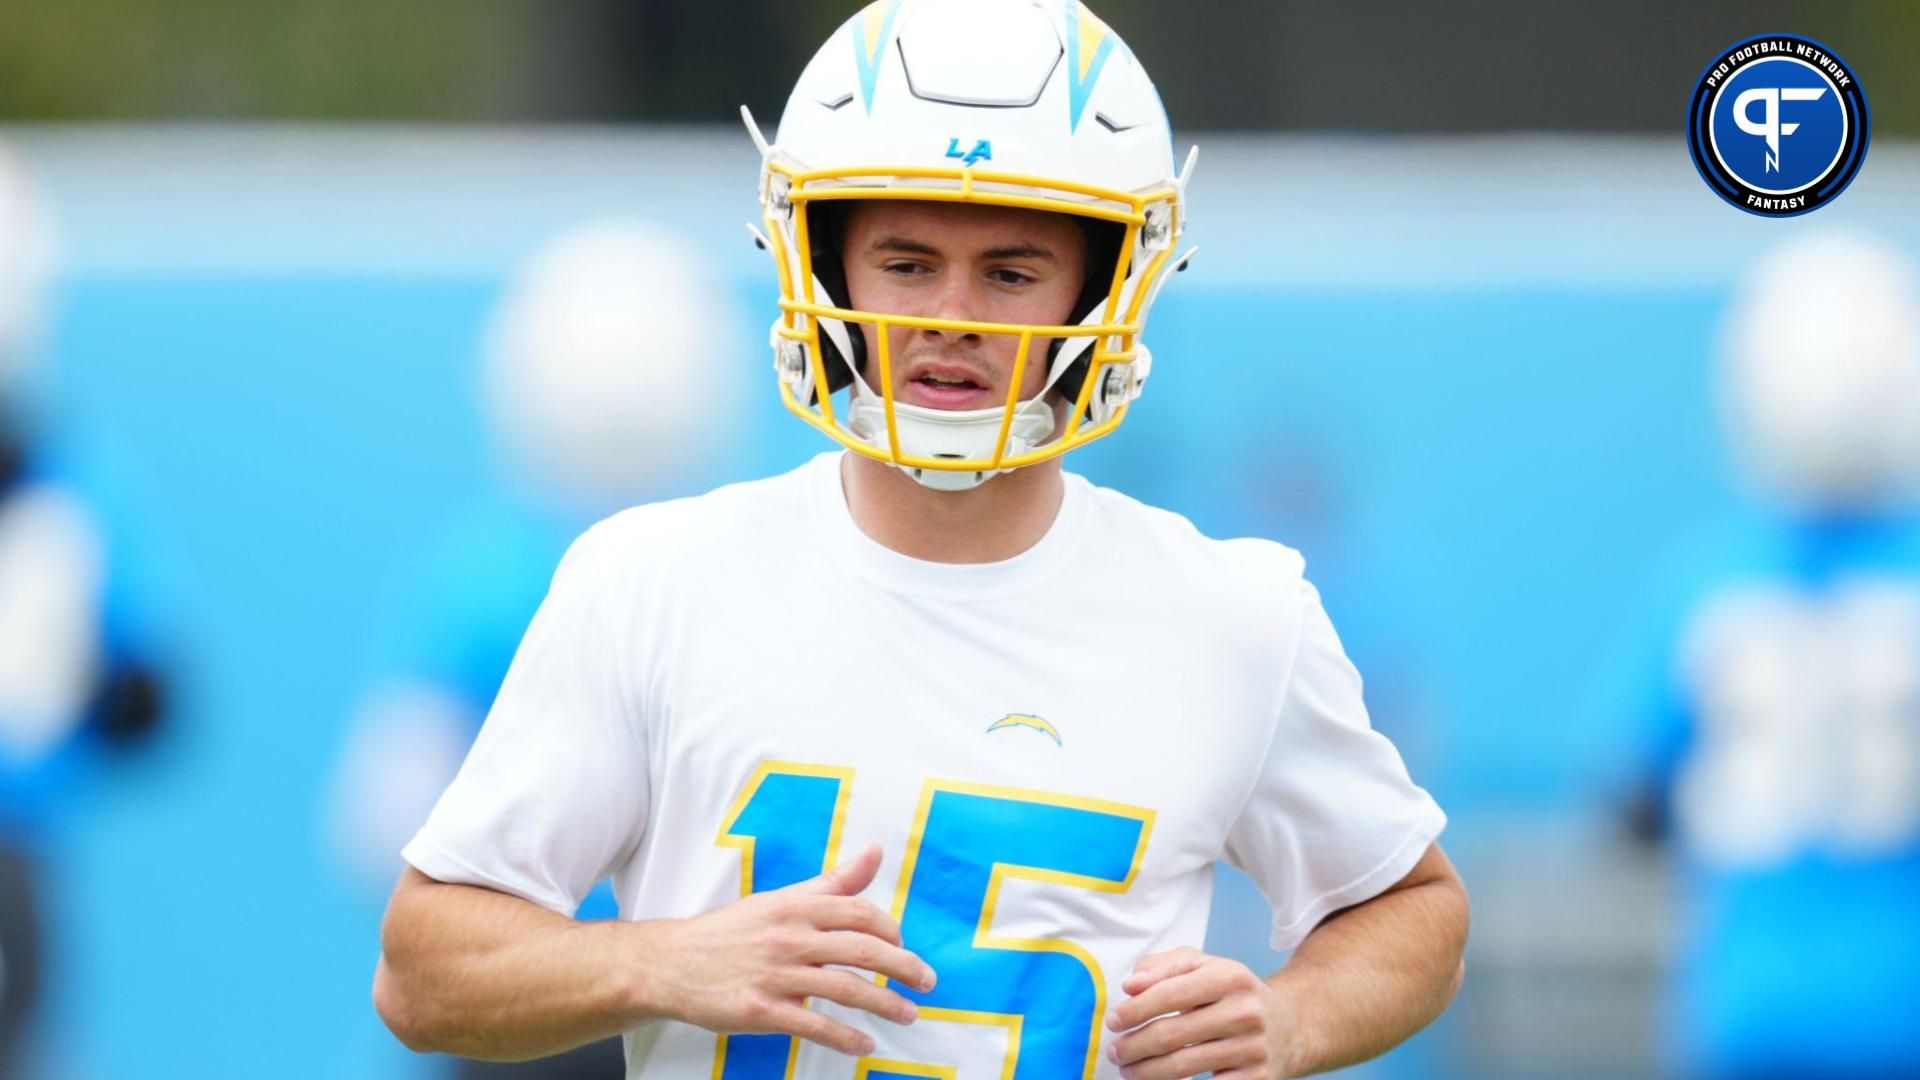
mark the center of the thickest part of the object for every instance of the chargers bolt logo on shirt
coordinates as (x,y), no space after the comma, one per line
(1778,125)
(1027,720)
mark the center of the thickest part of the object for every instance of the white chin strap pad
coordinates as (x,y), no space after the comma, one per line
(962,434)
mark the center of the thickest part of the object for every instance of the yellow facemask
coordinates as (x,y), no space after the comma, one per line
(1117,363)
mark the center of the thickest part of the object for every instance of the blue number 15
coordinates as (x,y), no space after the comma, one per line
(967,839)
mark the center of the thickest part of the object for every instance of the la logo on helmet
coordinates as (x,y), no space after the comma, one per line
(982,151)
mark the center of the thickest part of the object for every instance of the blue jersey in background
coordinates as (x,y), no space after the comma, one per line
(1783,694)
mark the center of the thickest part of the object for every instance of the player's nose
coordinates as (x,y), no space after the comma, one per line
(957,299)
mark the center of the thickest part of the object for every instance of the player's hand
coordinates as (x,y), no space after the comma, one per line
(1213,1014)
(749,967)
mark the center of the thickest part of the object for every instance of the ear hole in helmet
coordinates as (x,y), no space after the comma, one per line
(1102,256)
(826,234)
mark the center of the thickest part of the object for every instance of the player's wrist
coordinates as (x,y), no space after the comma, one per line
(1290,1016)
(640,983)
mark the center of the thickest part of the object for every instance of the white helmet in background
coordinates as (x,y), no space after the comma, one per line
(1821,373)
(609,362)
(1023,103)
(25,262)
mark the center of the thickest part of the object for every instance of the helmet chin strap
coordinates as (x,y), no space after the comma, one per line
(961,434)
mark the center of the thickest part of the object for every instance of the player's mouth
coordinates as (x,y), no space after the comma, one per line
(947,386)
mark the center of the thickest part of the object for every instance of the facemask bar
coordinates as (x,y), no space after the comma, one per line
(822,415)
(1112,330)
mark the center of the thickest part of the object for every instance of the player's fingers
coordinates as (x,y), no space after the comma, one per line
(1222,1020)
(1161,965)
(855,993)
(816,1028)
(849,948)
(849,877)
(1192,1060)
(853,913)
(1179,993)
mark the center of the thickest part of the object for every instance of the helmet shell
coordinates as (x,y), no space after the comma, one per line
(1821,372)
(1023,86)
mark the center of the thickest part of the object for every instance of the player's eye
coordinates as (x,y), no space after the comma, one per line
(1010,277)
(905,268)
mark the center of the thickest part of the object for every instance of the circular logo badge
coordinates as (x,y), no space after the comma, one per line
(1778,125)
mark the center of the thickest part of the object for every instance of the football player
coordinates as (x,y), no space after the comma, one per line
(76,676)
(1778,690)
(915,761)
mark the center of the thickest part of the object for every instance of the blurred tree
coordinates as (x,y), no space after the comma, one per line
(318,59)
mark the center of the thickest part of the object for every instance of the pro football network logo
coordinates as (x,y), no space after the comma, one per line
(1778,125)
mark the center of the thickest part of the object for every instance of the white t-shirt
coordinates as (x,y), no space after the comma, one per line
(1052,750)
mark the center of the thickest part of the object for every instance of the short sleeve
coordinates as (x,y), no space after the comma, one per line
(554,793)
(1333,818)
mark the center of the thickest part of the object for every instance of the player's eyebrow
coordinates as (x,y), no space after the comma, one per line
(904,245)
(1005,251)
(1019,251)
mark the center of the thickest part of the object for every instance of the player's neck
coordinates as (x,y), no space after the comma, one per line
(997,520)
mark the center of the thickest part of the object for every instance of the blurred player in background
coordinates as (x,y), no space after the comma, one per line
(1782,687)
(578,391)
(71,678)
(1052,707)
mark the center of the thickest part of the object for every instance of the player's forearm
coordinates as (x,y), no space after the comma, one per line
(1370,977)
(474,972)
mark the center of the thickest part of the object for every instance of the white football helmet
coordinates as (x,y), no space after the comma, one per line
(1021,103)
(1821,373)
(586,380)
